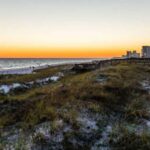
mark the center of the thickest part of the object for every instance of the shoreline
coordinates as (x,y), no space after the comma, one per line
(29,70)
(82,65)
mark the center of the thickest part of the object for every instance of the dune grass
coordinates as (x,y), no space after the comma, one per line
(118,93)
(122,138)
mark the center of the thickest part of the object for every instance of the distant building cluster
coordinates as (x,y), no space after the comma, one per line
(132,54)
(145,53)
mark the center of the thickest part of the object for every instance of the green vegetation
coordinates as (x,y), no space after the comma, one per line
(115,90)
(127,140)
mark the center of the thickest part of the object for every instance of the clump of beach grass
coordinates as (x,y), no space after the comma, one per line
(122,138)
(136,109)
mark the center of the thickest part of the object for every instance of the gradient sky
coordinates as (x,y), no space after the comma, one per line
(73,28)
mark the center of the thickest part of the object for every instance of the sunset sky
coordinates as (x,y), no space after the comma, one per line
(73,28)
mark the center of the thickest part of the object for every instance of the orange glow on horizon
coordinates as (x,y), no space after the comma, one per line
(32,52)
(73,29)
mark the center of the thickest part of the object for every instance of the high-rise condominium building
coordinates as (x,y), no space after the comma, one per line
(146,51)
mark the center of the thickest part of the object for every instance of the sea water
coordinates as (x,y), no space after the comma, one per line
(13,63)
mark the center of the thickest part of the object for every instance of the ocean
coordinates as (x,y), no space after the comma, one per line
(13,63)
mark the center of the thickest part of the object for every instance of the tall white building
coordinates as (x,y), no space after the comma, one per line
(146,51)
